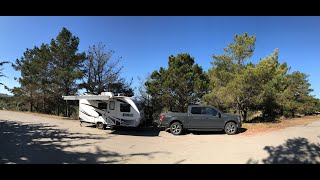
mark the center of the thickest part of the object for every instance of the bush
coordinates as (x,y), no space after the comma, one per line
(74,115)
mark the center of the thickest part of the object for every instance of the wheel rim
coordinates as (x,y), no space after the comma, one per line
(100,125)
(231,128)
(176,129)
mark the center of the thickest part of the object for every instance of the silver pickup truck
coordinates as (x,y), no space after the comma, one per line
(200,118)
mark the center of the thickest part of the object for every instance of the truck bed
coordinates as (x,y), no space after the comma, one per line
(177,114)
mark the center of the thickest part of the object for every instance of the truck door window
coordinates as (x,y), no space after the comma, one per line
(196,110)
(209,111)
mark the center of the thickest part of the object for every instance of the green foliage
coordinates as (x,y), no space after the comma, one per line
(35,79)
(66,62)
(265,87)
(272,75)
(296,96)
(242,48)
(65,67)
(49,72)
(5,103)
(52,70)
(1,73)
(231,81)
(183,83)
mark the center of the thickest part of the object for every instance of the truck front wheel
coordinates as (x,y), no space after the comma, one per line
(176,128)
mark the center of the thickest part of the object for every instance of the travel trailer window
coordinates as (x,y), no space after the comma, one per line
(112,105)
(124,107)
(103,106)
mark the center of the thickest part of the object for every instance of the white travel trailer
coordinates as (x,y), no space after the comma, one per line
(108,110)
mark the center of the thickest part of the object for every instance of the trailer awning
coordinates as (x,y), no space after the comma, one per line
(87,97)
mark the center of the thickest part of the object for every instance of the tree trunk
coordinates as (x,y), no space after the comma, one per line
(245,112)
(238,107)
(67,110)
(58,108)
(43,105)
(67,106)
(281,111)
(31,102)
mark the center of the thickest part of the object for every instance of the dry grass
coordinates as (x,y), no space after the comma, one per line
(254,128)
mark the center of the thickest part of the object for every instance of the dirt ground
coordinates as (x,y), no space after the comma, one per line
(255,128)
(31,138)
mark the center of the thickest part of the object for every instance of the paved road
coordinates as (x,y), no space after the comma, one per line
(27,138)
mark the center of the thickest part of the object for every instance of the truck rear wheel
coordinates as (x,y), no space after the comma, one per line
(176,128)
(230,128)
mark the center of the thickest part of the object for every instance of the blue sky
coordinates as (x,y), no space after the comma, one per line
(145,43)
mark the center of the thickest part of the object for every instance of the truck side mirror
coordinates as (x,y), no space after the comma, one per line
(219,115)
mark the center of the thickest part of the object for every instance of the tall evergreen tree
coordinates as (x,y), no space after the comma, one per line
(65,66)
(296,95)
(1,73)
(227,72)
(34,78)
(266,86)
(184,82)
(271,83)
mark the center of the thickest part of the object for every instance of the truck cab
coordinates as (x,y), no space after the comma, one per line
(200,118)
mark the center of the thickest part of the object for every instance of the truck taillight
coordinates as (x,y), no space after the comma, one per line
(161,117)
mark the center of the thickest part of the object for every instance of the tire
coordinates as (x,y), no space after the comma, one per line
(176,128)
(230,128)
(100,125)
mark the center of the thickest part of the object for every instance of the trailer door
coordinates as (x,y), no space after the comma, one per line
(112,112)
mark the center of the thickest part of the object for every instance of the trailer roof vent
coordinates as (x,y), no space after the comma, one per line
(107,94)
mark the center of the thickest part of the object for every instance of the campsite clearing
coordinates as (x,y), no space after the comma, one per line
(30,138)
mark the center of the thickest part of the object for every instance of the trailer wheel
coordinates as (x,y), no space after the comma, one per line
(100,125)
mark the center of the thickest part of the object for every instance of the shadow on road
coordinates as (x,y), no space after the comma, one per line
(36,143)
(293,151)
(203,132)
(136,131)
(180,161)
(242,130)
(130,131)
